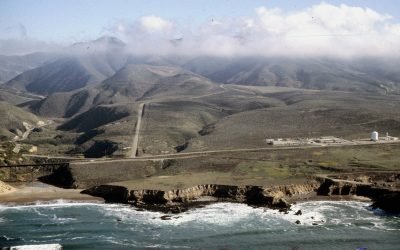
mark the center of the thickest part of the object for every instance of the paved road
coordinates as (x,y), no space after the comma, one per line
(137,131)
(200,153)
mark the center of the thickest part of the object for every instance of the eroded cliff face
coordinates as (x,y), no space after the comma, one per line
(274,197)
(382,188)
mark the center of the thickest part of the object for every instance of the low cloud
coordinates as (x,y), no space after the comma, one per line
(152,24)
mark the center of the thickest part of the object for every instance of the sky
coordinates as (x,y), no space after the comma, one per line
(223,27)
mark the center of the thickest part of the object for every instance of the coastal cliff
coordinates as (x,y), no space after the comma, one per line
(180,199)
(381,188)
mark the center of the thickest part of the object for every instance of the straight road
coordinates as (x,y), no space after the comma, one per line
(137,131)
(202,153)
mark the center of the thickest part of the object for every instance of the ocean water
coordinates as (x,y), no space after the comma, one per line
(79,225)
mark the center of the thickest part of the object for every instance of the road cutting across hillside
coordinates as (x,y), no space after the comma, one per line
(137,131)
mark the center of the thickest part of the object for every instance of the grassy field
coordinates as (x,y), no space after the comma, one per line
(270,167)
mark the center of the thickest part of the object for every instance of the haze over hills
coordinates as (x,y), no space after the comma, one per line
(365,74)
(92,62)
(80,65)
(11,66)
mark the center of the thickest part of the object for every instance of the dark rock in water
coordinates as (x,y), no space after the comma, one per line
(119,220)
(166,217)
(298,212)
(284,210)
(297,222)
(315,224)
(389,203)
(312,217)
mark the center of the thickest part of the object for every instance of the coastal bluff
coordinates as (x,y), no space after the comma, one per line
(144,183)
(381,187)
(179,199)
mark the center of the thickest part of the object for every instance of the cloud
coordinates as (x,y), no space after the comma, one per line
(155,24)
(320,30)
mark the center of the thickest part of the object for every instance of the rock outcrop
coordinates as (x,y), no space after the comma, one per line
(388,202)
(5,188)
(382,188)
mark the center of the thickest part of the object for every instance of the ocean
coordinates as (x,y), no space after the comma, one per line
(83,225)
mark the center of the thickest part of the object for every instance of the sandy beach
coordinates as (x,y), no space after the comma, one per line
(37,191)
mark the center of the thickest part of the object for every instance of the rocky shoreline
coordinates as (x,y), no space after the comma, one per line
(381,188)
(179,200)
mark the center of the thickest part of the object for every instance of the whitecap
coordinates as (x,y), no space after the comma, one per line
(38,247)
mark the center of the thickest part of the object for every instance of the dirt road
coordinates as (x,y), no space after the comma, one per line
(137,131)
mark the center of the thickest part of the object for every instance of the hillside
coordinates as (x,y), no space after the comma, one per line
(12,118)
(65,104)
(303,114)
(133,82)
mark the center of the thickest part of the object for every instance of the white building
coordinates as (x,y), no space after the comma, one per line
(374,136)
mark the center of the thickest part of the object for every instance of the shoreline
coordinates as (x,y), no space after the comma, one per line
(166,208)
(38,192)
(34,192)
(280,197)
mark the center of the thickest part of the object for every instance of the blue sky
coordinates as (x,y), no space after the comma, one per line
(73,20)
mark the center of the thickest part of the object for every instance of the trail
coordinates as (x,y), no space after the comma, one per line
(137,131)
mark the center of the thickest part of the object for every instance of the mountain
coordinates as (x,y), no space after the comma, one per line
(104,43)
(132,83)
(93,94)
(367,74)
(140,81)
(75,69)
(11,66)
(107,111)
